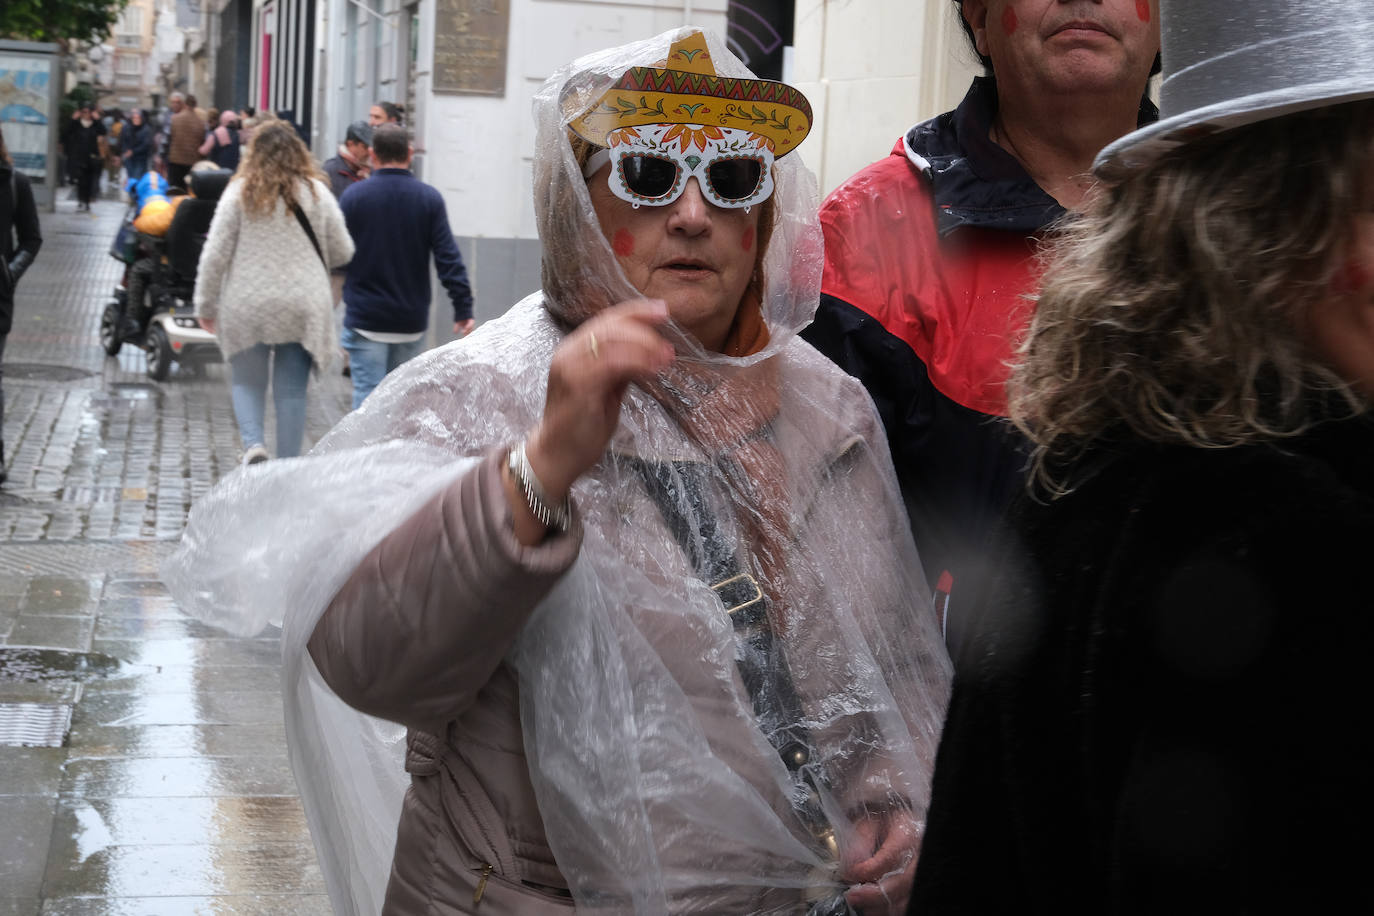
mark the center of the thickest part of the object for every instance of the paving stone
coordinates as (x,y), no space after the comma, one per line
(28,821)
(208,706)
(178,627)
(221,905)
(45,692)
(168,779)
(151,680)
(146,608)
(227,651)
(31,770)
(83,826)
(9,613)
(173,794)
(184,870)
(52,632)
(90,741)
(62,595)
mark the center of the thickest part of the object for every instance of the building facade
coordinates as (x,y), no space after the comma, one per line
(465,72)
(872,70)
(135,75)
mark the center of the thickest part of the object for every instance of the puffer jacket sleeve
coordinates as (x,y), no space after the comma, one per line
(426,618)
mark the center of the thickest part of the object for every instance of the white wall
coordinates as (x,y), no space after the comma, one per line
(479,150)
(872,69)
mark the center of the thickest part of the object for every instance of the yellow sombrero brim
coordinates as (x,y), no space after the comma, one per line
(650,95)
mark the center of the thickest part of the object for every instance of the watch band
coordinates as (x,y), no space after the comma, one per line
(559,516)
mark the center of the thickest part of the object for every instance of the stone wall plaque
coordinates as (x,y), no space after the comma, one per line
(470,40)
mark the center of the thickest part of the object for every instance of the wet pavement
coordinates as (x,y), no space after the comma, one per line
(143,766)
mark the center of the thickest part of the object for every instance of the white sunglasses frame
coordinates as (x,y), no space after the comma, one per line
(685,170)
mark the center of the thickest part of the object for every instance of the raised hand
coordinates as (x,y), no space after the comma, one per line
(590,371)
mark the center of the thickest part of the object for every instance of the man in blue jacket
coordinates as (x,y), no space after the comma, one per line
(397,223)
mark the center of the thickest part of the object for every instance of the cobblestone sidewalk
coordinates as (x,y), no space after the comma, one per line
(166,788)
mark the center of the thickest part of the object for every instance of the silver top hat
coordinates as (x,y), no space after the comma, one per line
(1233,62)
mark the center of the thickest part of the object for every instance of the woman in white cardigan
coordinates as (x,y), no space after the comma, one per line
(263,288)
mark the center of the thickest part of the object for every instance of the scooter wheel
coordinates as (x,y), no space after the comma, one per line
(109,329)
(159,353)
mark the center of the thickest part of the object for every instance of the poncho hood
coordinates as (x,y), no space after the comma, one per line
(580,273)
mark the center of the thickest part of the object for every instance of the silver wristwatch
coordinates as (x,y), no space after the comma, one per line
(550,516)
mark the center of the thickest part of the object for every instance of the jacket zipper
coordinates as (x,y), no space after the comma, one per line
(482,885)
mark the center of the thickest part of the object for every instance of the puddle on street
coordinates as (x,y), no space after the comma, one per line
(36,665)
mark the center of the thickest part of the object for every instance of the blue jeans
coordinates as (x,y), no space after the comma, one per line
(370,360)
(290,373)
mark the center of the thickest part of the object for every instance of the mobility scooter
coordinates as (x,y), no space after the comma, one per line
(168,331)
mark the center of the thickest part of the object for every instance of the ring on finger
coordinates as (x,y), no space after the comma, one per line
(591,345)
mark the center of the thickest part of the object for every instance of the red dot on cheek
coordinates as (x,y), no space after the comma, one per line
(1142,9)
(1352,278)
(747,241)
(1009,20)
(623,243)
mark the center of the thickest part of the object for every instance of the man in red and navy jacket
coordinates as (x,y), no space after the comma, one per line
(930,257)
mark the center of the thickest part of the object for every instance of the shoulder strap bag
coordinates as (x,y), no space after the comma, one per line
(309,233)
(676,489)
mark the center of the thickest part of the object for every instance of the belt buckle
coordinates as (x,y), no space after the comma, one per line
(750,600)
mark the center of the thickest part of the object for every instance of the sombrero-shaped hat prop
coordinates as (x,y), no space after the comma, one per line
(726,131)
(1231,64)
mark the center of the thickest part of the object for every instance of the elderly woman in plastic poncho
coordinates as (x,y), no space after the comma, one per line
(628,564)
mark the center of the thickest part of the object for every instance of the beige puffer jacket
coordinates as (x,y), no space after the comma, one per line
(419,635)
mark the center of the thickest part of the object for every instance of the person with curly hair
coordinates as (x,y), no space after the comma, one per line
(263,283)
(1160,708)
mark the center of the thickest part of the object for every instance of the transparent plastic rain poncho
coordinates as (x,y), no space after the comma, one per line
(653,803)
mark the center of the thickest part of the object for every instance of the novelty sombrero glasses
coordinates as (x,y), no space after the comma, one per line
(662,124)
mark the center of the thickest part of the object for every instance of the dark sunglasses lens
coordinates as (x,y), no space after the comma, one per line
(649,176)
(735,179)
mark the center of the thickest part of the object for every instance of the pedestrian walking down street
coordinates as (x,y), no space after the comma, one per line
(931,255)
(629,562)
(137,141)
(186,133)
(352,162)
(385,113)
(84,145)
(221,145)
(248,119)
(1164,708)
(114,145)
(262,286)
(397,222)
(350,165)
(20,239)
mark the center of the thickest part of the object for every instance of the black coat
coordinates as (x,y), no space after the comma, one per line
(138,141)
(1164,709)
(20,237)
(82,144)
